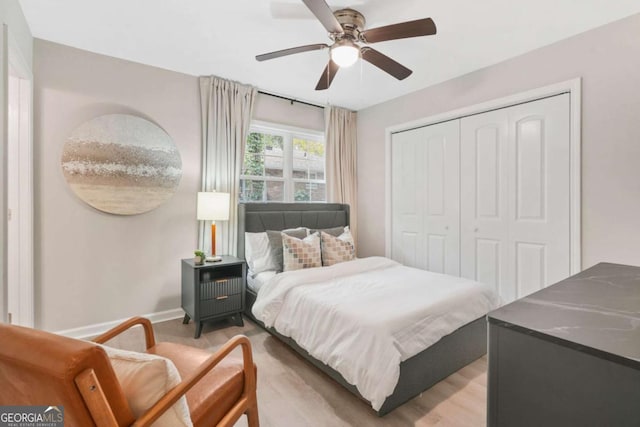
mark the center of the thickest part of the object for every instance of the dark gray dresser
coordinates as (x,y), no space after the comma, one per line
(568,355)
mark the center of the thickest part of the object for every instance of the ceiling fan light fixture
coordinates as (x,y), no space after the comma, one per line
(345,53)
(346,29)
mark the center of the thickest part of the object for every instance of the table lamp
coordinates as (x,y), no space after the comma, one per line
(213,206)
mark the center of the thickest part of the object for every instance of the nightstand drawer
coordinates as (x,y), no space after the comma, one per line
(221,305)
(220,287)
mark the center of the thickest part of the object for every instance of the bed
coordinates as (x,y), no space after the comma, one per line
(418,372)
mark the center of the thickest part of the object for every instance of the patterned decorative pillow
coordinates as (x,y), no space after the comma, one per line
(301,253)
(275,244)
(337,249)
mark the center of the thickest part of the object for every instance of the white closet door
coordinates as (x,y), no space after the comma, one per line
(515,207)
(484,205)
(540,198)
(408,198)
(425,198)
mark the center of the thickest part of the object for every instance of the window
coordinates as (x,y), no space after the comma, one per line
(283,165)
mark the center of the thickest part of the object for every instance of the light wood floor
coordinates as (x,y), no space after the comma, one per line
(292,392)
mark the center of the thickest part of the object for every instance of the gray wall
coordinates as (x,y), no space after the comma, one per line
(608,60)
(92,267)
(13,29)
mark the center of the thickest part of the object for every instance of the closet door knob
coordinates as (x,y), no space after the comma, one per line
(446,227)
(475,230)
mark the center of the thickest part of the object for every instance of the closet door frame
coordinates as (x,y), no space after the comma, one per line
(574,88)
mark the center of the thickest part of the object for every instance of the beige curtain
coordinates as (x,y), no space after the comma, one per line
(226,109)
(341,140)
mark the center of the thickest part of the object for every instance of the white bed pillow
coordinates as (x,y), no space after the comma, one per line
(337,249)
(144,379)
(257,253)
(256,282)
(301,253)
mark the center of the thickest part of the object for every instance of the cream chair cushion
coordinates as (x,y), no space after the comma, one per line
(144,379)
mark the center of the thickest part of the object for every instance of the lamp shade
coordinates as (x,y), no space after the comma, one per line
(213,206)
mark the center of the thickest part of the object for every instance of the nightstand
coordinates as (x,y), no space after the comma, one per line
(213,291)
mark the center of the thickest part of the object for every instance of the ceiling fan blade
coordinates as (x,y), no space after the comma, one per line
(291,51)
(323,12)
(327,76)
(417,28)
(385,63)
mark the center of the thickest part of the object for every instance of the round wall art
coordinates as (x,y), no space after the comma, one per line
(121,164)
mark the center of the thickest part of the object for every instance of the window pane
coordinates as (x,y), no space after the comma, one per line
(301,192)
(300,168)
(251,190)
(318,192)
(310,192)
(316,168)
(253,164)
(308,169)
(274,165)
(275,191)
(273,143)
(306,148)
(308,159)
(299,148)
(261,152)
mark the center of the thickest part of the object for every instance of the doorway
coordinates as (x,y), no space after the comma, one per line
(20,194)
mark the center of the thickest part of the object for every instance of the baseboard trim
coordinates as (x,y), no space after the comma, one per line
(99,328)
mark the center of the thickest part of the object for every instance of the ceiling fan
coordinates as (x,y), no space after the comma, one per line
(346,30)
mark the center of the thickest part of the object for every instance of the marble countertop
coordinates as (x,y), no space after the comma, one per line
(596,311)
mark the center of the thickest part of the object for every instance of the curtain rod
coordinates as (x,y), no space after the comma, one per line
(291,100)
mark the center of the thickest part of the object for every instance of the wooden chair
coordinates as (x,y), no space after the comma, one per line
(40,368)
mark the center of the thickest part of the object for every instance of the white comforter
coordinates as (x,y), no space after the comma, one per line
(365,316)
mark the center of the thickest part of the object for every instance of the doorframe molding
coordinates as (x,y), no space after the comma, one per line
(26,256)
(574,88)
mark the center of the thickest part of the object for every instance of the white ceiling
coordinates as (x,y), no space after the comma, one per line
(214,37)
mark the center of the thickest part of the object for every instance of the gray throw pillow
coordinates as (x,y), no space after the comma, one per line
(275,243)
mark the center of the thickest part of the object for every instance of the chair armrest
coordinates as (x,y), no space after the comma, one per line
(127,324)
(172,396)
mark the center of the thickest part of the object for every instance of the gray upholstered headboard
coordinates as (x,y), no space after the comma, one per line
(258,217)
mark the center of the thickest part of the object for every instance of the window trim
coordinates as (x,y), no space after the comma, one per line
(288,133)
